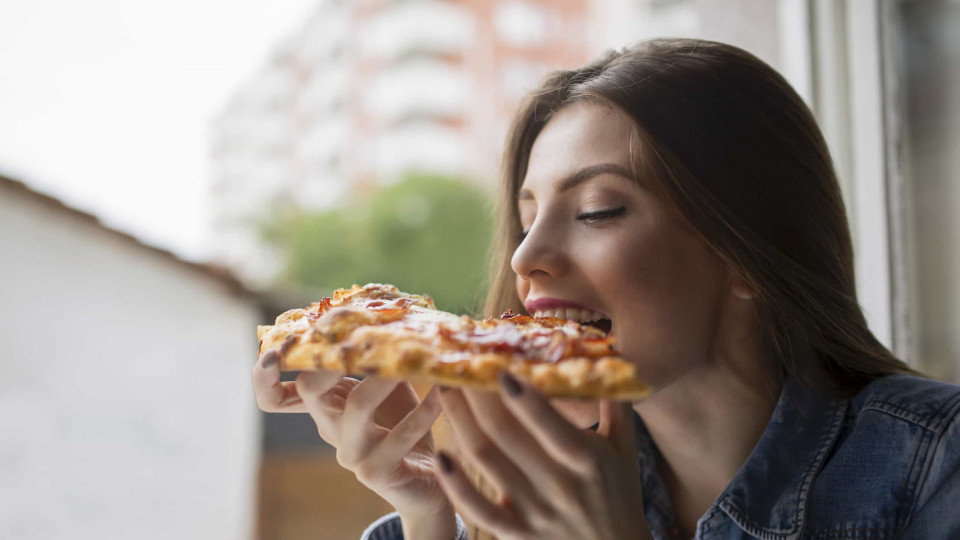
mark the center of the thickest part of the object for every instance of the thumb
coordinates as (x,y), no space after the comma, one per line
(616,426)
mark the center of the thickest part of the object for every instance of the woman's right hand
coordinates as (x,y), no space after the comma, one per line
(381,431)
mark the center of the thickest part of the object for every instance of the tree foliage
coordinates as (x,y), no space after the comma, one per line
(426,234)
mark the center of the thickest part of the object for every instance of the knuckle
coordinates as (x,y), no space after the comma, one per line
(366,473)
(326,437)
(346,460)
(344,387)
(264,403)
(265,407)
(331,402)
(362,472)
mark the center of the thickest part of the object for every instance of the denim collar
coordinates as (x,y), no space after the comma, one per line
(768,495)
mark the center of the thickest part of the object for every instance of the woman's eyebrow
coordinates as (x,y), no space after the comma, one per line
(582,176)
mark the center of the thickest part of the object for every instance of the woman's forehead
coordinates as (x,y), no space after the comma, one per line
(579,135)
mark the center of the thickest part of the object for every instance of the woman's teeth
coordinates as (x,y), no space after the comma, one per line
(582,315)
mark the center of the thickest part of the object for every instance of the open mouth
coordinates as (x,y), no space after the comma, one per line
(603,324)
(582,316)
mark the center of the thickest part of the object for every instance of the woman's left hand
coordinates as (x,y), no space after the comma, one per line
(554,480)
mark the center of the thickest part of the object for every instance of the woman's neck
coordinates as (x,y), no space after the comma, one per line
(705,425)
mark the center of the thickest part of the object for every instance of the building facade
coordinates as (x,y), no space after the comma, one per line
(367,92)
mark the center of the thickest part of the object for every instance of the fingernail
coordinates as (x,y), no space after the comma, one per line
(269,359)
(510,385)
(443,388)
(446,464)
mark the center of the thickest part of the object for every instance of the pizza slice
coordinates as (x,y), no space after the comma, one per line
(376,329)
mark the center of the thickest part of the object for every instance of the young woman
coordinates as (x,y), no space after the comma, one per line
(682,189)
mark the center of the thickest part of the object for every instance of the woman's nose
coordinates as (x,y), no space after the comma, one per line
(539,252)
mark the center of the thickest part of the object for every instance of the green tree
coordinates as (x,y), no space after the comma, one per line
(426,234)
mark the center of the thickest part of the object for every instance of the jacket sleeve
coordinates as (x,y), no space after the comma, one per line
(388,528)
(935,513)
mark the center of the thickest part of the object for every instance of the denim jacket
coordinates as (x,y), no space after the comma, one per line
(885,464)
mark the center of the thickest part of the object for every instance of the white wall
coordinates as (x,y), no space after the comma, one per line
(126,409)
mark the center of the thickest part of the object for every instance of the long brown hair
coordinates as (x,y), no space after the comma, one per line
(736,150)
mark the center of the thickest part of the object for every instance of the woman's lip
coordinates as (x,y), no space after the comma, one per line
(543,304)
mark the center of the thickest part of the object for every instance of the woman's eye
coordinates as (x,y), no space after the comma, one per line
(600,215)
(595,216)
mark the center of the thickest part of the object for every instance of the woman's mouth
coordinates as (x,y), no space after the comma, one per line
(606,325)
(583,316)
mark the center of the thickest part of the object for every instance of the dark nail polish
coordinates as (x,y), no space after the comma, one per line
(510,385)
(445,463)
(269,359)
(443,388)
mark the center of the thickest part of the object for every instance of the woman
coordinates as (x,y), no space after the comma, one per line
(683,189)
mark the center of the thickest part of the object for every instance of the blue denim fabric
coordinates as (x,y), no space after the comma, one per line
(885,464)
(388,528)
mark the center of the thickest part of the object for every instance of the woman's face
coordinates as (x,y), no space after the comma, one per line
(608,244)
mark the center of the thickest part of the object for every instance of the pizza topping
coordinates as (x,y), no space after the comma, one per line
(532,343)
(508,314)
(315,335)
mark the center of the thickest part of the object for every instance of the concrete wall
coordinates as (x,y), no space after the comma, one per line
(126,409)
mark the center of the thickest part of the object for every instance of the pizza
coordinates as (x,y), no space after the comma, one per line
(377,329)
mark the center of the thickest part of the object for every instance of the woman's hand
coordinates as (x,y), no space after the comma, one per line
(554,480)
(381,431)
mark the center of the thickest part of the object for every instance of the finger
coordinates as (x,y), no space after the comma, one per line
(409,431)
(494,518)
(493,463)
(358,431)
(561,439)
(323,393)
(272,394)
(335,399)
(402,400)
(506,432)
(363,401)
(616,426)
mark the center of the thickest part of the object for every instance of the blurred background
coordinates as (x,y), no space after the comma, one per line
(174,173)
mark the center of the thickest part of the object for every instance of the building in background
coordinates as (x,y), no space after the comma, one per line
(125,401)
(366,92)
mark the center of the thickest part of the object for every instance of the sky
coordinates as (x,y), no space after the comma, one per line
(107,104)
